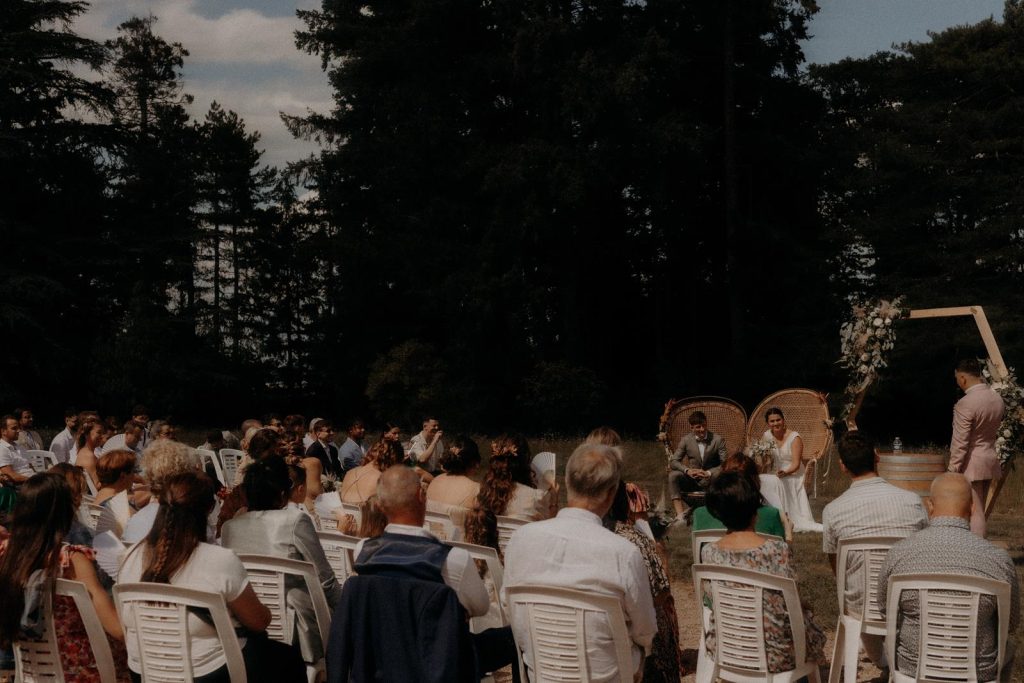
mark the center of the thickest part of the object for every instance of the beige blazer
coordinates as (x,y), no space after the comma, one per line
(976,419)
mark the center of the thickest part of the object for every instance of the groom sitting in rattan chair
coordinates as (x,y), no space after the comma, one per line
(697,458)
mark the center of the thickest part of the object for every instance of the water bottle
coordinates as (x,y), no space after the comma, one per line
(897,446)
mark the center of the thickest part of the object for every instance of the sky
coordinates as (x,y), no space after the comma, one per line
(243,55)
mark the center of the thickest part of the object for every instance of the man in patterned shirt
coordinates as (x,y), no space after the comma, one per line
(947,546)
(870,507)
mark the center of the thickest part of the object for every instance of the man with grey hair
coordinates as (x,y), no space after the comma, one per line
(574,550)
(407,550)
(162,459)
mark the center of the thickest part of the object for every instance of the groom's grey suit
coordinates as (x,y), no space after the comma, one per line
(688,457)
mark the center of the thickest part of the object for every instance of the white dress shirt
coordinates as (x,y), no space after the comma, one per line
(30,440)
(574,550)
(11,455)
(459,571)
(61,445)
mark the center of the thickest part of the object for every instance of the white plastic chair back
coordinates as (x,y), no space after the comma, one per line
(495,617)
(441,525)
(339,550)
(267,577)
(90,484)
(554,621)
(229,461)
(41,461)
(39,660)
(948,616)
(207,455)
(353,509)
(506,527)
(738,609)
(702,538)
(850,626)
(155,617)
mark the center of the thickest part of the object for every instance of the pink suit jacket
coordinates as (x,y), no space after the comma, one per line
(976,419)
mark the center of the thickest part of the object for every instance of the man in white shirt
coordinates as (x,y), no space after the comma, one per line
(574,550)
(130,439)
(426,448)
(28,438)
(406,547)
(13,463)
(62,443)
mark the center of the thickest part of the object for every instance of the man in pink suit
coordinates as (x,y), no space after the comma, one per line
(972,452)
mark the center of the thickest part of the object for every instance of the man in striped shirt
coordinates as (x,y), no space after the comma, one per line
(870,507)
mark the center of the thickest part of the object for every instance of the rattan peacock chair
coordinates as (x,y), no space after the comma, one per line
(806,412)
(725,417)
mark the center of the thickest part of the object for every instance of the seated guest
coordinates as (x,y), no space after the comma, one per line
(175,552)
(270,527)
(39,527)
(90,439)
(294,429)
(129,439)
(14,465)
(361,482)
(947,546)
(664,663)
(733,499)
(79,534)
(769,519)
(406,551)
(454,492)
(63,441)
(162,429)
(161,460)
(324,450)
(353,450)
(426,447)
(310,436)
(28,438)
(116,472)
(870,507)
(508,488)
(372,519)
(574,550)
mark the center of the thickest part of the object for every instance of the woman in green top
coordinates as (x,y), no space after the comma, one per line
(769,519)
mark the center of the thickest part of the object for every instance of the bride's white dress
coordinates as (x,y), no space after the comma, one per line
(794,499)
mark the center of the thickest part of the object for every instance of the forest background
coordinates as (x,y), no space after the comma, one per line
(535,215)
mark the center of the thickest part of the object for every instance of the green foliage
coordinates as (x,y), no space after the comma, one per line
(407,382)
(557,396)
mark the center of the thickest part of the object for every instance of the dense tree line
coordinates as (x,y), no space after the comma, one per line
(566,215)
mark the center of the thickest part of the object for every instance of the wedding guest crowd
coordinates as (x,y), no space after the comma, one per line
(181,526)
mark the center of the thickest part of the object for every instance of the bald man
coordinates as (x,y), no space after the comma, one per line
(948,546)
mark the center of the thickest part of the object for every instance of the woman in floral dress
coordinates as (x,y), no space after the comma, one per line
(41,520)
(734,500)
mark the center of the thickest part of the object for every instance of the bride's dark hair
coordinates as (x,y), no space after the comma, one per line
(774,410)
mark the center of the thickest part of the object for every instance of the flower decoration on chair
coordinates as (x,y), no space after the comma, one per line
(1010,442)
(867,338)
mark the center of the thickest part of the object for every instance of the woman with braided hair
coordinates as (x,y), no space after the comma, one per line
(508,489)
(176,552)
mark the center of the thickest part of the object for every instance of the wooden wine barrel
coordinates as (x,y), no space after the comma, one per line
(911,471)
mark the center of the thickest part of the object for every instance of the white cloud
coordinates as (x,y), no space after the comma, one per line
(245,60)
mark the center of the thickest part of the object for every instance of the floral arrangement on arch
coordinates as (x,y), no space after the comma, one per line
(1010,442)
(866,340)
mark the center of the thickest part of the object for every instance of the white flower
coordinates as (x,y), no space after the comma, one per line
(878,322)
(863,369)
(864,358)
(1000,441)
(1007,433)
(888,321)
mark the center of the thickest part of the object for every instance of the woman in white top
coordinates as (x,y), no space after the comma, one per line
(789,449)
(508,489)
(175,552)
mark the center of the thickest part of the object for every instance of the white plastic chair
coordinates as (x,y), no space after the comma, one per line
(441,525)
(92,517)
(850,627)
(339,548)
(738,609)
(207,455)
(229,461)
(267,576)
(39,660)
(495,617)
(506,527)
(702,538)
(948,617)
(155,617)
(554,621)
(41,461)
